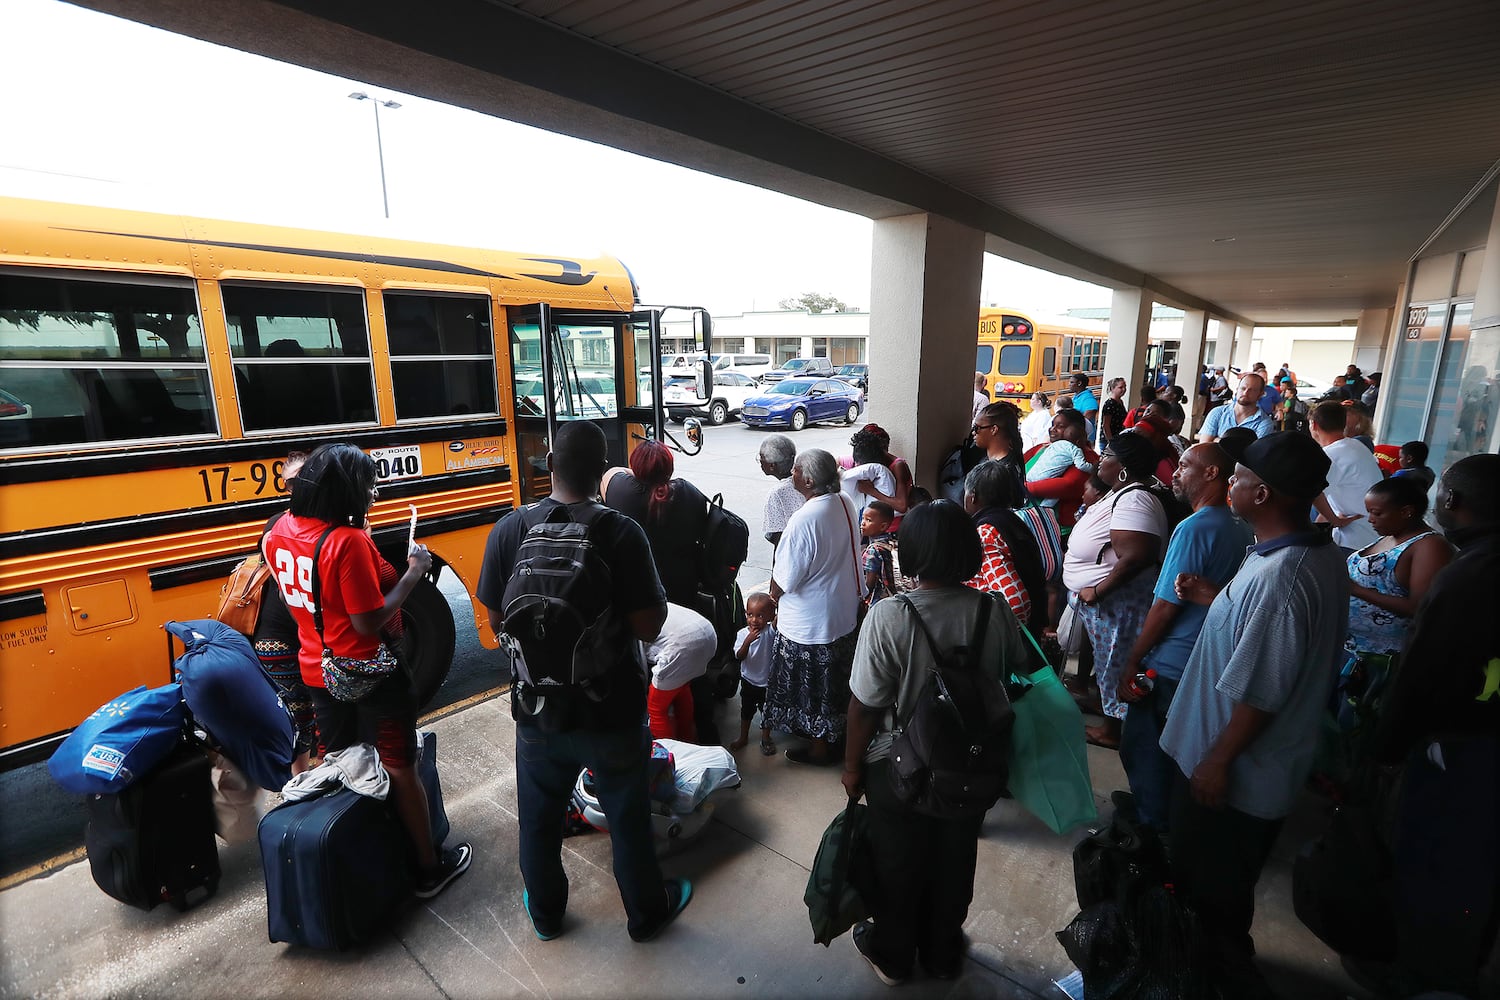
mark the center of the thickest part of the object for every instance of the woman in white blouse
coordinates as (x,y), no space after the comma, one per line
(818,588)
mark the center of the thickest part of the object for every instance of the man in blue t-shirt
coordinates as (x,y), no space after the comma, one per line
(1243,411)
(1204,554)
(1084,401)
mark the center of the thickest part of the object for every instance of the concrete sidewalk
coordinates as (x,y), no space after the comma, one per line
(745,933)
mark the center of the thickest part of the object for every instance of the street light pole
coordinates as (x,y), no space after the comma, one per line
(360,95)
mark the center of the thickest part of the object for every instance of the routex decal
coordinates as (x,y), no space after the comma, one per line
(479,453)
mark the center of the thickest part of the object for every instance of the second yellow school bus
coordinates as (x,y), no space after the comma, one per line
(1020,355)
(156,370)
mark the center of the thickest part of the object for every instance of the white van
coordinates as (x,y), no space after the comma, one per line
(753,365)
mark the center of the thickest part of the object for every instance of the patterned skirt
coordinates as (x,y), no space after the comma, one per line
(278,660)
(808,692)
(1113,625)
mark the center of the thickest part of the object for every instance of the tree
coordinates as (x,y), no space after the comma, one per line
(814,302)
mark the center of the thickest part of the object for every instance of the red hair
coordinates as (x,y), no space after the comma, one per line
(651,464)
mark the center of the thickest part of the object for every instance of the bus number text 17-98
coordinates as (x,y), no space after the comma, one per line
(220,480)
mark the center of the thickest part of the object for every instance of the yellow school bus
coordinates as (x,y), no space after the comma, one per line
(155,371)
(1020,356)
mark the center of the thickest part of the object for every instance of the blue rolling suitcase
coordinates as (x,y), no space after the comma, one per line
(338,865)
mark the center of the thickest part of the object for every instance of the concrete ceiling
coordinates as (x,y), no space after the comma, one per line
(1269,161)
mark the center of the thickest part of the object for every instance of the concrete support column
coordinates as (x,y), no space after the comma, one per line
(1369,339)
(1484,327)
(1190,362)
(1243,334)
(924,299)
(1129,336)
(806,350)
(1223,342)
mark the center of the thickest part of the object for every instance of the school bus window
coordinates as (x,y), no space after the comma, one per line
(96,361)
(984,360)
(588,362)
(442,354)
(301,356)
(1015,359)
(1049,361)
(1067,354)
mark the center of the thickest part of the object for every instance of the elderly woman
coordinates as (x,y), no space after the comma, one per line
(1111,565)
(1012,563)
(925,864)
(818,587)
(776,455)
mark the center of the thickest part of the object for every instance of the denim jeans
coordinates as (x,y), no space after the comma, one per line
(547,768)
(1146,764)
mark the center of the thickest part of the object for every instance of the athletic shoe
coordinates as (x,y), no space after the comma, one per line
(544,930)
(452,862)
(861,936)
(679,893)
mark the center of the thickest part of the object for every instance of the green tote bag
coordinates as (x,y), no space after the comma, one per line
(1049,764)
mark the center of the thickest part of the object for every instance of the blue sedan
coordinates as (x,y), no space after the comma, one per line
(797,402)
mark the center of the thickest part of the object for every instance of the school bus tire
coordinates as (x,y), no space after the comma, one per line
(427,649)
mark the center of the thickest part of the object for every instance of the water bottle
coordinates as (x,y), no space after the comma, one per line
(1142,683)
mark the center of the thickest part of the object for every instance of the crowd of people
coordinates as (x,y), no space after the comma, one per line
(1244,574)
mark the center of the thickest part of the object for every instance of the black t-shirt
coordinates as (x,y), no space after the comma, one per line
(636,586)
(676,537)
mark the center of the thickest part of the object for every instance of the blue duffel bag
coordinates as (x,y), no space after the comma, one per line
(233,700)
(122,740)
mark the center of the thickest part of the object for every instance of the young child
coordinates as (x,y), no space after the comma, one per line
(1413,462)
(752,647)
(1054,460)
(879,561)
(1096,490)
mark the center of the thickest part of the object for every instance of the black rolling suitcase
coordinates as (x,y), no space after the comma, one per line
(154,842)
(337,865)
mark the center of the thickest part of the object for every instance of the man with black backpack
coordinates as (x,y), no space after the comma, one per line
(570,587)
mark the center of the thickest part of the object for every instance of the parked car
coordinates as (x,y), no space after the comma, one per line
(797,402)
(675,363)
(595,396)
(754,365)
(731,389)
(799,368)
(858,375)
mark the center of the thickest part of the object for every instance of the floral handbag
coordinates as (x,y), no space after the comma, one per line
(348,678)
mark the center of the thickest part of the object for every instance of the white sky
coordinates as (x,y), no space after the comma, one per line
(104,111)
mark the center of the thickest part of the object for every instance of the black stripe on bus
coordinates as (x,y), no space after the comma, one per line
(80,536)
(26,604)
(389,539)
(424,263)
(43,469)
(31,753)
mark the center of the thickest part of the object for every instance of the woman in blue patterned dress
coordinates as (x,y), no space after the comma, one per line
(1389,576)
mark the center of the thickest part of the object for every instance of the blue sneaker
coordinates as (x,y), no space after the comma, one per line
(544,931)
(679,893)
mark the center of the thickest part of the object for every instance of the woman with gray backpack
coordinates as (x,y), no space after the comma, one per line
(926,802)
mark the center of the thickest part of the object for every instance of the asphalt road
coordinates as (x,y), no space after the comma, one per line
(40,823)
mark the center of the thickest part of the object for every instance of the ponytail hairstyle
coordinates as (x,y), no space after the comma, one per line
(651,464)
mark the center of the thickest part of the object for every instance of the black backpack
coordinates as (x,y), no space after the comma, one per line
(726,544)
(951,757)
(560,627)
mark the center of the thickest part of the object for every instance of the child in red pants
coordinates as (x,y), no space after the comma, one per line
(678,656)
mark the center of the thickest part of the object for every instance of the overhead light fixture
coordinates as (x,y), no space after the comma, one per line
(1224,239)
